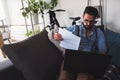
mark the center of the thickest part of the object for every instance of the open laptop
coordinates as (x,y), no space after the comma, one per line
(85,62)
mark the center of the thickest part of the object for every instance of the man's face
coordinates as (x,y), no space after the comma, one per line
(88,20)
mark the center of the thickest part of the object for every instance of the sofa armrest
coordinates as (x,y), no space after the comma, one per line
(4,64)
(9,72)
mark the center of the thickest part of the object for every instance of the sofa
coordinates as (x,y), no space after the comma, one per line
(37,58)
(9,72)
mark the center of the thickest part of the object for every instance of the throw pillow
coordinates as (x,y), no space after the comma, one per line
(36,57)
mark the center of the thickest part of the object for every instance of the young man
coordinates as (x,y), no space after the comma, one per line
(87,32)
(92,39)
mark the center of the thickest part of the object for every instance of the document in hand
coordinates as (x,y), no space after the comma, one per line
(70,41)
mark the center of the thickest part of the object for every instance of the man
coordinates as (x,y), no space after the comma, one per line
(92,40)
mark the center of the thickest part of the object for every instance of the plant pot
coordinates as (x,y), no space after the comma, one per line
(35,19)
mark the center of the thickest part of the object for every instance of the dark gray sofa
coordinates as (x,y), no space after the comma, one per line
(36,58)
(9,72)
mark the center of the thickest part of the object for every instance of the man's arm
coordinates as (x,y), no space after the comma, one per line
(101,42)
(55,42)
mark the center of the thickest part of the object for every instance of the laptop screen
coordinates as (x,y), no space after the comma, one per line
(85,62)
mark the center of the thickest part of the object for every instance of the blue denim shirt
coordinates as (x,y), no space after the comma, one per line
(96,41)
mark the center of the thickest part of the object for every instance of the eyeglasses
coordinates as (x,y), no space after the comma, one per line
(88,21)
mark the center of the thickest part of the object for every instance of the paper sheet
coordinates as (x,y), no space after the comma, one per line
(70,41)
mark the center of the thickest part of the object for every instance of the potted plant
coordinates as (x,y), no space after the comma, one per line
(35,7)
(47,6)
(32,8)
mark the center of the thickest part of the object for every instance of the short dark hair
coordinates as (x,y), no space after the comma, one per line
(92,11)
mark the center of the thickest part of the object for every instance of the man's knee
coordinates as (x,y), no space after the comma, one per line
(82,76)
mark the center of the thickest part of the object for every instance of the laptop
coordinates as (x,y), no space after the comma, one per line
(86,62)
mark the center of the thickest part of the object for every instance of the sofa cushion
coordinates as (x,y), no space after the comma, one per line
(113,45)
(36,57)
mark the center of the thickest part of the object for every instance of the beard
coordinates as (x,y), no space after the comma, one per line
(88,27)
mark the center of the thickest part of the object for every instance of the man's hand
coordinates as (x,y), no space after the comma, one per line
(57,36)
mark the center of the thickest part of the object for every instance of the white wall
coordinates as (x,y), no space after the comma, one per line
(73,8)
(113,15)
(2,15)
(111,12)
(15,17)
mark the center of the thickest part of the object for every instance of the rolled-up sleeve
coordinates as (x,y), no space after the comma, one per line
(71,28)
